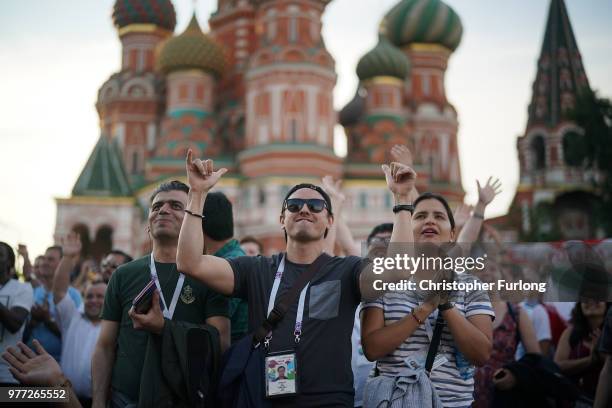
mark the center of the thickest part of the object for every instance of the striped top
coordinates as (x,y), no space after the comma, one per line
(453,390)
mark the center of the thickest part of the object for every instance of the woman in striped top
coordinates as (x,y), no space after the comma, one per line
(398,326)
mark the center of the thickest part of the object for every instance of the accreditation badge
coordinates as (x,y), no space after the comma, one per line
(281,374)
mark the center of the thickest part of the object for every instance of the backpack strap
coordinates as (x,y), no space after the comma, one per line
(435,343)
(288,298)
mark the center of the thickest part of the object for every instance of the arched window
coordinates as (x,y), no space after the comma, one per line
(538,150)
(103,242)
(83,232)
(574,149)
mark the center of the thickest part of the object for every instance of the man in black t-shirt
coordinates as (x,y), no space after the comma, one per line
(323,353)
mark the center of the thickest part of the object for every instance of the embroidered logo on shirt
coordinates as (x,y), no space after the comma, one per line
(187,295)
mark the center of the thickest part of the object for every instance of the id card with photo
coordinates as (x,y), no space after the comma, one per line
(281,374)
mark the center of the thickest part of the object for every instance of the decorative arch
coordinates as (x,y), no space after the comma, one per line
(146,86)
(83,231)
(574,148)
(103,242)
(537,146)
(109,90)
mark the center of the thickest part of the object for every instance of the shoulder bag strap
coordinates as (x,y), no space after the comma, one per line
(435,343)
(288,298)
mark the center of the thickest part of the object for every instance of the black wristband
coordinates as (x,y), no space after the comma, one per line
(194,214)
(403,207)
(445,306)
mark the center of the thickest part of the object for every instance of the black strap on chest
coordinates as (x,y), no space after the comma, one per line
(435,343)
(288,298)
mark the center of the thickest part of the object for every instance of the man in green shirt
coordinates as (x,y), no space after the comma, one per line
(119,354)
(218,228)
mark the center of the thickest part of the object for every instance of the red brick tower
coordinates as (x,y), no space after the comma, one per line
(554,199)
(130,101)
(289,112)
(102,206)
(233,26)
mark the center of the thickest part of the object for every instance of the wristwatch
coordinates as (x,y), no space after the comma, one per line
(403,207)
(445,306)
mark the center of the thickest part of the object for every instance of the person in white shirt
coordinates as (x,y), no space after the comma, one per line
(15,303)
(541,325)
(80,330)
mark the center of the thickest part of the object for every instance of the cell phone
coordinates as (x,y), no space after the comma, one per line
(142,302)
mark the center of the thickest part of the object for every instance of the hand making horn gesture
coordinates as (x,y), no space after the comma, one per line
(400,178)
(200,173)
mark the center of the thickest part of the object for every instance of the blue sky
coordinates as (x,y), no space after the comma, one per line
(55,55)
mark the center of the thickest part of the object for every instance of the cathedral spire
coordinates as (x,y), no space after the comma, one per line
(560,75)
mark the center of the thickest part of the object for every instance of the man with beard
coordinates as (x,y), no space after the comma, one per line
(317,329)
(79,331)
(119,355)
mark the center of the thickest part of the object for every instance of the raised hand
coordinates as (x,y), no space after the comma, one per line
(402,154)
(22,250)
(200,173)
(487,193)
(400,178)
(71,245)
(334,190)
(31,368)
(461,214)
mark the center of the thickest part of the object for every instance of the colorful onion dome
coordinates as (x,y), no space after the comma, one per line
(423,21)
(158,12)
(191,50)
(383,60)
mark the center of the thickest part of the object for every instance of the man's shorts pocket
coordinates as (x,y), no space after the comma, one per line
(324,300)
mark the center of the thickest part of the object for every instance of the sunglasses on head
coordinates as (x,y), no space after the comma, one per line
(315,205)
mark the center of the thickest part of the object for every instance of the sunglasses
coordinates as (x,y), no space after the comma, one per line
(315,205)
(109,265)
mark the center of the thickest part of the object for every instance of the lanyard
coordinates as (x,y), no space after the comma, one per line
(297,331)
(168,311)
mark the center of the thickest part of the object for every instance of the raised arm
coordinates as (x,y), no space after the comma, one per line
(469,233)
(213,271)
(340,232)
(22,250)
(61,280)
(400,180)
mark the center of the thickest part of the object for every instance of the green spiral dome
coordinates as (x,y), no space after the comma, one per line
(423,21)
(383,60)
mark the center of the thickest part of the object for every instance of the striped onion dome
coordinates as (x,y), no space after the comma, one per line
(158,12)
(191,50)
(423,21)
(383,60)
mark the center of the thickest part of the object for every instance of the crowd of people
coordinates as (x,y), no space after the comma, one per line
(220,314)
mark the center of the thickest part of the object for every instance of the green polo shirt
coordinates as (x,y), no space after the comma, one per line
(238,308)
(196,303)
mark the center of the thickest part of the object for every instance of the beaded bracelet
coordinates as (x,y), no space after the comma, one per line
(419,321)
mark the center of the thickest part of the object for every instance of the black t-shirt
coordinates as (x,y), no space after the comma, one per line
(324,352)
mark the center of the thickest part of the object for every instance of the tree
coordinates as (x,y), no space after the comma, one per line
(594,116)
